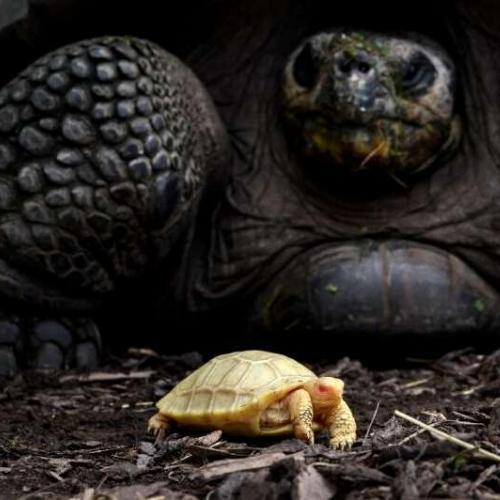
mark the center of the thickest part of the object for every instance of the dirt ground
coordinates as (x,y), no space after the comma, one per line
(72,436)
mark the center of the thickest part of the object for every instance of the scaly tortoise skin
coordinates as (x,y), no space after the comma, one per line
(310,172)
(258,393)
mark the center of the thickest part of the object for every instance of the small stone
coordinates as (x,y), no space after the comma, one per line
(126,89)
(110,164)
(140,127)
(81,67)
(7,156)
(114,132)
(48,124)
(103,91)
(69,156)
(160,161)
(125,109)
(38,74)
(9,118)
(20,90)
(78,129)
(145,85)
(57,197)
(106,72)
(35,141)
(100,52)
(43,100)
(58,175)
(58,81)
(152,144)
(140,168)
(129,69)
(131,149)
(37,212)
(57,62)
(30,178)
(144,106)
(79,97)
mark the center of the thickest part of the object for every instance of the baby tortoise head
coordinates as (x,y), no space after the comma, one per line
(361,101)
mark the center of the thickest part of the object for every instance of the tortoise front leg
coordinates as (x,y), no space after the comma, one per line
(341,427)
(301,415)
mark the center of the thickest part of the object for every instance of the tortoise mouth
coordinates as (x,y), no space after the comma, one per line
(369,143)
(380,288)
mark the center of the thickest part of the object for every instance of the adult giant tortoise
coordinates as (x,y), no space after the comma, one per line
(332,170)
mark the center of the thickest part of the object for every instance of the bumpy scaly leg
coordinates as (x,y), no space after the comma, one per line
(52,344)
(301,415)
(105,146)
(159,425)
(342,427)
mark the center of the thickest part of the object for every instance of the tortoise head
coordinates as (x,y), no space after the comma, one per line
(326,394)
(360,101)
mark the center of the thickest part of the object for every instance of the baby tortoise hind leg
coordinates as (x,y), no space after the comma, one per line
(341,427)
(160,425)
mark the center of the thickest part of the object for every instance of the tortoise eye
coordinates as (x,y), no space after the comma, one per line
(305,67)
(418,75)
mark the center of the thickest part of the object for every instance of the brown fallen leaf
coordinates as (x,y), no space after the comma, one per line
(311,484)
(221,468)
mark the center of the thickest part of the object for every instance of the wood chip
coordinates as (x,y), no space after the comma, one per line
(221,468)
(107,377)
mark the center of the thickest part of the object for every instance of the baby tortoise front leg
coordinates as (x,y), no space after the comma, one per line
(301,415)
(342,427)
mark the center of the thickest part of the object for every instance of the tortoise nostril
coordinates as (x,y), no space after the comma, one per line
(364,67)
(349,64)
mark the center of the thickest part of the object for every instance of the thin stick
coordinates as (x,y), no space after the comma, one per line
(443,435)
(374,416)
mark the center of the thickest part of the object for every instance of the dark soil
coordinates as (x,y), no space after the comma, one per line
(67,436)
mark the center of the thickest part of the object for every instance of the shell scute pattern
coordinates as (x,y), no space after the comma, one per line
(234,384)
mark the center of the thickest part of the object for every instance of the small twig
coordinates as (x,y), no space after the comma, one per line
(107,377)
(374,416)
(447,437)
(415,383)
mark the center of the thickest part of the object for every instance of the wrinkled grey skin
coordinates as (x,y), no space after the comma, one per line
(132,194)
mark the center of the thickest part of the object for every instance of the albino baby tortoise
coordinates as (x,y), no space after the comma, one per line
(258,393)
